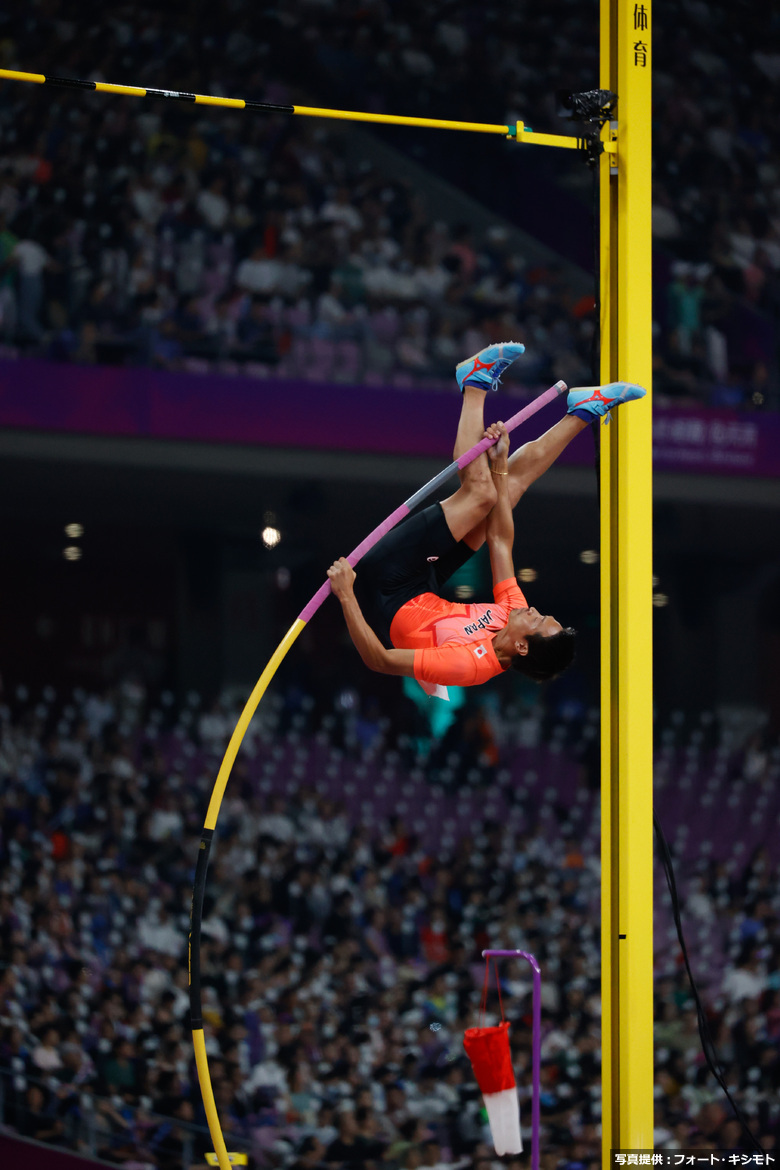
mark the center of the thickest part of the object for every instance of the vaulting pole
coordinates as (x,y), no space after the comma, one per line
(241,728)
(626,589)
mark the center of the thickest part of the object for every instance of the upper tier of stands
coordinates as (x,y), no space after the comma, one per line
(146,233)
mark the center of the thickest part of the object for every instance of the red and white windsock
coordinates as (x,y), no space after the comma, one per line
(491,1059)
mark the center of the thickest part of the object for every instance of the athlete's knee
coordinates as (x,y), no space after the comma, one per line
(525,454)
(483,492)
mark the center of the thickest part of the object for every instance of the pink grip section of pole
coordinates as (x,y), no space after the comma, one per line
(521,416)
(308,611)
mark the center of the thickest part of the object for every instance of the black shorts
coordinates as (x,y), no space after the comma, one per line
(416,557)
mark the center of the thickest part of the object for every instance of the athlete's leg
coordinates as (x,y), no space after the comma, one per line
(585,404)
(470,504)
(477,493)
(529,462)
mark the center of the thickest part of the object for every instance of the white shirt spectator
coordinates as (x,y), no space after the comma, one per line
(411,350)
(720,140)
(258,274)
(157,933)
(98,711)
(292,278)
(384,281)
(147,202)
(213,727)
(238,860)
(432,281)
(340,211)
(378,248)
(214,208)
(46,1057)
(216,927)
(666,225)
(164,823)
(699,902)
(9,200)
(555,1042)
(330,310)
(153,984)
(277,825)
(31,258)
(267,1074)
(427,1103)
(743,248)
(743,983)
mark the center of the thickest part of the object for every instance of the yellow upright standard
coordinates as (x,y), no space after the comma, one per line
(626,588)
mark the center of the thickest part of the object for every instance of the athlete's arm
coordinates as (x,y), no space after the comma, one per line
(500,525)
(374,654)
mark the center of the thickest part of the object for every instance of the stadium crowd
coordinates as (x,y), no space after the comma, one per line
(341,957)
(132,232)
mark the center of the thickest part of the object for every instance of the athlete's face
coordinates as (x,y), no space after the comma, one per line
(524,622)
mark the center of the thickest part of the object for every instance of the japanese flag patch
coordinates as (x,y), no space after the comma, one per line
(480,651)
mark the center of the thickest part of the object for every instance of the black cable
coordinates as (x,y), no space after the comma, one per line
(707,1043)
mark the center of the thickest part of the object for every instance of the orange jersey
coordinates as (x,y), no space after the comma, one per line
(453,642)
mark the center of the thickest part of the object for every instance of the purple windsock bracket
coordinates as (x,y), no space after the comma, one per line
(536,1041)
(403,510)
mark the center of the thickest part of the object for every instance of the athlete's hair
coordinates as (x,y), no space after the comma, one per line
(547,657)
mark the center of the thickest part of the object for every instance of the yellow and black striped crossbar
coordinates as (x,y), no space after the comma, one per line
(520,132)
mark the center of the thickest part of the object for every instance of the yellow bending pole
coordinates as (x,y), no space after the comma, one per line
(626,525)
(210,823)
(209,1104)
(245,719)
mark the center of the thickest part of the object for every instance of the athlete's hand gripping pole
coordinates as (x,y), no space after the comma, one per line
(236,739)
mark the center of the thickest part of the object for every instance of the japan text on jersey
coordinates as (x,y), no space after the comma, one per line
(480,624)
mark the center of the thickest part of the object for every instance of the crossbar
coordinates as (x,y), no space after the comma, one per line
(519,132)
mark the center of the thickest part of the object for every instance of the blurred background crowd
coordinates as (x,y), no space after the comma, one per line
(135,232)
(361,866)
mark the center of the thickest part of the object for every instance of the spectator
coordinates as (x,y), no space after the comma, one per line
(746,980)
(30,260)
(213,206)
(259,273)
(46,1055)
